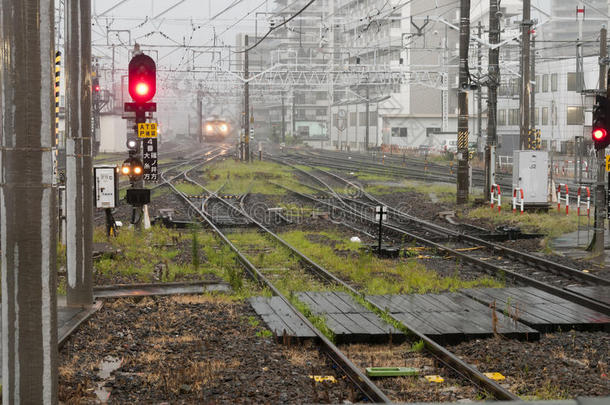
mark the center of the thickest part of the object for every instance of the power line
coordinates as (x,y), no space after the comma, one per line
(277,26)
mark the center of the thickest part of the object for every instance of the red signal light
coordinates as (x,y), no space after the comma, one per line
(142,78)
(142,89)
(599,134)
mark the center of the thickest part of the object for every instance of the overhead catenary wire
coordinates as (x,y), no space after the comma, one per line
(277,26)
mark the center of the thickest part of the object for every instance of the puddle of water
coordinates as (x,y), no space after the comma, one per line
(106,366)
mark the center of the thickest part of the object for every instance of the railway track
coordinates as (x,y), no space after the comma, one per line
(360,380)
(523,268)
(412,168)
(355,375)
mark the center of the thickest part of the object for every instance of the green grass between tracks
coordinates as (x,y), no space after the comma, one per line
(164,255)
(283,269)
(552,224)
(242,177)
(375,275)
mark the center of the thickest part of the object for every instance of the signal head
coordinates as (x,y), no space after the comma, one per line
(601,123)
(132,144)
(599,134)
(132,167)
(142,78)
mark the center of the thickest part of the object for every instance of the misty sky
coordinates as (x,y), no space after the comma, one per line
(175,27)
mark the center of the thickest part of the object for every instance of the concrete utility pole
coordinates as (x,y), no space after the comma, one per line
(368,108)
(200,115)
(79,172)
(492,94)
(599,223)
(462,170)
(246,104)
(283,119)
(479,87)
(28,203)
(526,25)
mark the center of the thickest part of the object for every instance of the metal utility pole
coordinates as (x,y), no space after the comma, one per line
(599,223)
(525,74)
(246,104)
(368,102)
(200,115)
(79,172)
(283,119)
(535,88)
(28,201)
(462,170)
(492,96)
(479,88)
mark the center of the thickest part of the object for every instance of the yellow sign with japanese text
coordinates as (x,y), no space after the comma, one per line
(147,130)
(608,163)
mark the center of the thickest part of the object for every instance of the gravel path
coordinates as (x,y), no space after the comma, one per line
(202,349)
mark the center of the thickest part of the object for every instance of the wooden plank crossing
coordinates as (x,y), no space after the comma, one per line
(348,320)
(280,318)
(597,293)
(541,310)
(450,317)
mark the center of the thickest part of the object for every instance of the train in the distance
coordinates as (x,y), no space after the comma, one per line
(217,129)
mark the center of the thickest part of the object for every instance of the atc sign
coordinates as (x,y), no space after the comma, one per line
(147,130)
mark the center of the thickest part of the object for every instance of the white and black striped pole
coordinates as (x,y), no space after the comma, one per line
(381,214)
(27,203)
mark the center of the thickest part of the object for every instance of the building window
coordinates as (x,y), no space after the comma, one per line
(572,81)
(373,118)
(554,82)
(513,116)
(536,85)
(353,117)
(576,116)
(501,117)
(363,119)
(545,115)
(545,83)
(399,132)
(554,115)
(336,120)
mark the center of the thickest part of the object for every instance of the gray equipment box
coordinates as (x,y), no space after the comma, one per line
(531,173)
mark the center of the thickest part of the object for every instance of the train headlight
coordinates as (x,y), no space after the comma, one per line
(209,128)
(125,170)
(224,127)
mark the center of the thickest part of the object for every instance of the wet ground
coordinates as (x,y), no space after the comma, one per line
(559,366)
(193,349)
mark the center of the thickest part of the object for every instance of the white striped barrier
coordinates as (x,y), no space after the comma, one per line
(566,198)
(496,196)
(518,199)
(580,200)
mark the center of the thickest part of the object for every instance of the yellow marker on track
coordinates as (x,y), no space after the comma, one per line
(435,378)
(322,378)
(495,376)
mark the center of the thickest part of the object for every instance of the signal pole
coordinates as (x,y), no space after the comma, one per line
(492,95)
(526,25)
(600,187)
(79,172)
(246,104)
(28,201)
(462,170)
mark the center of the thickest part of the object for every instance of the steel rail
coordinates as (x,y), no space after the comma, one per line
(359,379)
(489,268)
(523,257)
(437,350)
